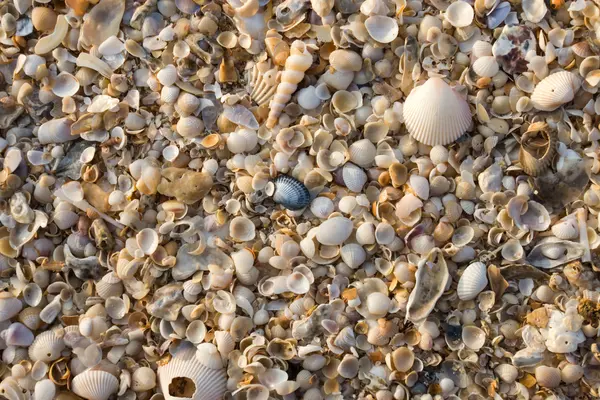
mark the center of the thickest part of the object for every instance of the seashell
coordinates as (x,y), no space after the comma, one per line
(473,337)
(44,389)
(381,28)
(322,207)
(552,252)
(384,233)
(348,367)
(94,384)
(297,283)
(555,90)
(224,341)
(486,66)
(547,377)
(571,373)
(353,255)
(56,131)
(472,281)
(481,48)
(262,83)
(43,18)
(446,117)
(30,317)
(403,359)
(48,43)
(353,177)
(508,373)
(343,101)
(32,294)
(242,229)
(9,307)
(290,193)
(567,228)
(18,334)
(102,22)
(143,379)
(111,46)
(65,85)
(147,240)
(190,127)
(431,279)
(362,152)
(295,67)
(538,149)
(460,14)
(109,286)
(334,231)
(307,98)
(47,346)
(512,250)
(534,10)
(188,103)
(167,76)
(169,94)
(345,60)
(535,218)
(185,376)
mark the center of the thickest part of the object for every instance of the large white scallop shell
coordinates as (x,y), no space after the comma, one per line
(95,385)
(555,90)
(47,346)
(472,281)
(184,376)
(435,114)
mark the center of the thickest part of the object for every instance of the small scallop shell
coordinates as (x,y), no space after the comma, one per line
(473,337)
(486,66)
(190,126)
(95,385)
(472,281)
(481,48)
(169,94)
(362,152)
(47,346)
(353,255)
(537,151)
(435,114)
(567,228)
(242,229)
(334,231)
(187,102)
(508,373)
(548,377)
(381,28)
(322,207)
(109,286)
(290,193)
(460,14)
(555,90)
(65,85)
(30,317)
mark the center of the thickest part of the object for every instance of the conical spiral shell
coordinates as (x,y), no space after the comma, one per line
(192,379)
(435,114)
(555,90)
(95,385)
(537,151)
(295,67)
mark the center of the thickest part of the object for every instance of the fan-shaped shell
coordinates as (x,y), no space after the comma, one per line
(362,152)
(322,207)
(473,337)
(184,376)
(95,385)
(353,177)
(353,255)
(548,377)
(566,228)
(381,28)
(109,286)
(290,193)
(472,281)
(65,85)
(47,346)
(486,66)
(555,90)
(435,114)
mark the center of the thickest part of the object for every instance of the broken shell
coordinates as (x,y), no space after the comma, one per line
(473,337)
(147,240)
(95,385)
(47,346)
(552,252)
(566,229)
(555,90)
(537,151)
(431,279)
(472,281)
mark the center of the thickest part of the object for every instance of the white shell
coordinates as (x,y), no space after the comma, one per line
(190,126)
(555,90)
(167,76)
(354,177)
(472,281)
(111,46)
(473,337)
(242,229)
(512,250)
(95,385)
(65,85)
(534,10)
(18,334)
(334,231)
(322,207)
(435,114)
(381,28)
(297,283)
(460,14)
(420,185)
(481,48)
(198,381)
(143,379)
(566,228)
(353,255)
(9,307)
(362,152)
(547,376)
(147,240)
(47,346)
(508,373)
(44,390)
(486,66)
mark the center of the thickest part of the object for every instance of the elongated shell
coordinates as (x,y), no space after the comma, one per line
(290,193)
(555,90)
(472,281)
(184,376)
(554,252)
(537,151)
(47,346)
(435,114)
(295,66)
(431,279)
(95,385)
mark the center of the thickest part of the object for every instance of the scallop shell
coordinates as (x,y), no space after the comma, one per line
(334,231)
(566,229)
(435,114)
(548,377)
(184,376)
(486,66)
(47,346)
(472,281)
(555,90)
(353,255)
(552,252)
(109,286)
(362,152)
(95,385)
(353,177)
(262,82)
(381,28)
(537,151)
(508,373)
(431,279)
(290,193)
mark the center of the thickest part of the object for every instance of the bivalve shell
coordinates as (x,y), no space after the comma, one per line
(353,255)
(345,60)
(47,346)
(95,385)
(334,231)
(9,307)
(290,193)
(362,152)
(472,281)
(353,177)
(65,85)
(566,228)
(460,14)
(555,90)
(381,28)
(473,337)
(486,66)
(548,377)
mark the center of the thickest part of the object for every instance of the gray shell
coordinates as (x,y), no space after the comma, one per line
(432,276)
(290,193)
(553,252)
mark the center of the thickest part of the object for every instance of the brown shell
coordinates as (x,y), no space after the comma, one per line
(538,148)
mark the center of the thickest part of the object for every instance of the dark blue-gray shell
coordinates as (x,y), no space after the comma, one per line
(290,193)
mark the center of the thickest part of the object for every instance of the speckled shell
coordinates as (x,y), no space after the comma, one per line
(472,281)
(290,193)
(208,384)
(46,347)
(555,90)
(435,114)
(95,385)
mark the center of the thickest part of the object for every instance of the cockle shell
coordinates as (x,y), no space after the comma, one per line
(431,280)
(555,90)
(290,193)
(537,151)
(436,114)
(185,376)
(553,252)
(566,228)
(547,376)
(95,384)
(472,281)
(47,346)
(322,207)
(334,231)
(353,177)
(486,66)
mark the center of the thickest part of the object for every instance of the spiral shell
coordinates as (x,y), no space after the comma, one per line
(263,80)
(290,193)
(295,67)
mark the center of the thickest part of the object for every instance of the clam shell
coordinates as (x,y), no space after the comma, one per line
(435,114)
(473,337)
(353,255)
(548,377)
(242,229)
(65,85)
(362,152)
(552,252)
(290,193)
(566,229)
(431,279)
(9,307)
(345,60)
(18,334)
(47,346)
(537,151)
(184,376)
(460,14)
(147,240)
(44,390)
(109,286)
(190,126)
(486,66)
(322,207)
(381,28)
(353,177)
(334,231)
(95,385)
(555,90)
(472,281)
(508,373)
(143,379)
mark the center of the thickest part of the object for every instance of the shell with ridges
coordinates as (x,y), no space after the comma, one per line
(555,90)
(95,385)
(47,346)
(472,281)
(290,193)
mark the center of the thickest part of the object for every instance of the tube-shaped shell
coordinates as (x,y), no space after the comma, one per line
(472,281)
(95,385)
(295,67)
(435,114)
(431,279)
(184,376)
(555,90)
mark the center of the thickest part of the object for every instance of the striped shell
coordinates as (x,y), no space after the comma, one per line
(435,114)
(262,82)
(95,385)
(47,346)
(353,177)
(472,281)
(555,90)
(486,66)
(552,252)
(537,151)
(184,376)
(290,193)
(566,228)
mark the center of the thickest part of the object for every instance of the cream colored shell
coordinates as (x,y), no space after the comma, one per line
(555,90)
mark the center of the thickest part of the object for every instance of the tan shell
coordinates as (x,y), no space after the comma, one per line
(538,149)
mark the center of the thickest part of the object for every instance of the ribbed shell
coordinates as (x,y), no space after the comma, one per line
(534,164)
(9,307)
(109,286)
(362,152)
(555,90)
(435,114)
(290,193)
(46,347)
(353,177)
(486,66)
(262,83)
(472,281)
(95,385)
(210,384)
(566,228)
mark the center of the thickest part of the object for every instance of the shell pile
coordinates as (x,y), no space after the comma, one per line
(299,199)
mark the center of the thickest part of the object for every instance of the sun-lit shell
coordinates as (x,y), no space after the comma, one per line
(435,114)
(473,337)
(472,281)
(147,239)
(95,385)
(9,307)
(566,228)
(555,90)
(508,373)
(353,255)
(460,14)
(571,373)
(353,177)
(322,207)
(403,359)
(547,376)
(47,346)
(486,66)
(431,279)
(362,152)
(537,151)
(65,85)
(381,28)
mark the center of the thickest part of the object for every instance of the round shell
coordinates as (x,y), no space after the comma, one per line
(9,307)
(242,229)
(548,377)
(460,14)
(334,231)
(362,152)
(472,281)
(435,114)
(47,346)
(353,255)
(381,28)
(65,85)
(555,90)
(95,385)
(566,229)
(473,337)
(290,193)
(353,177)
(486,66)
